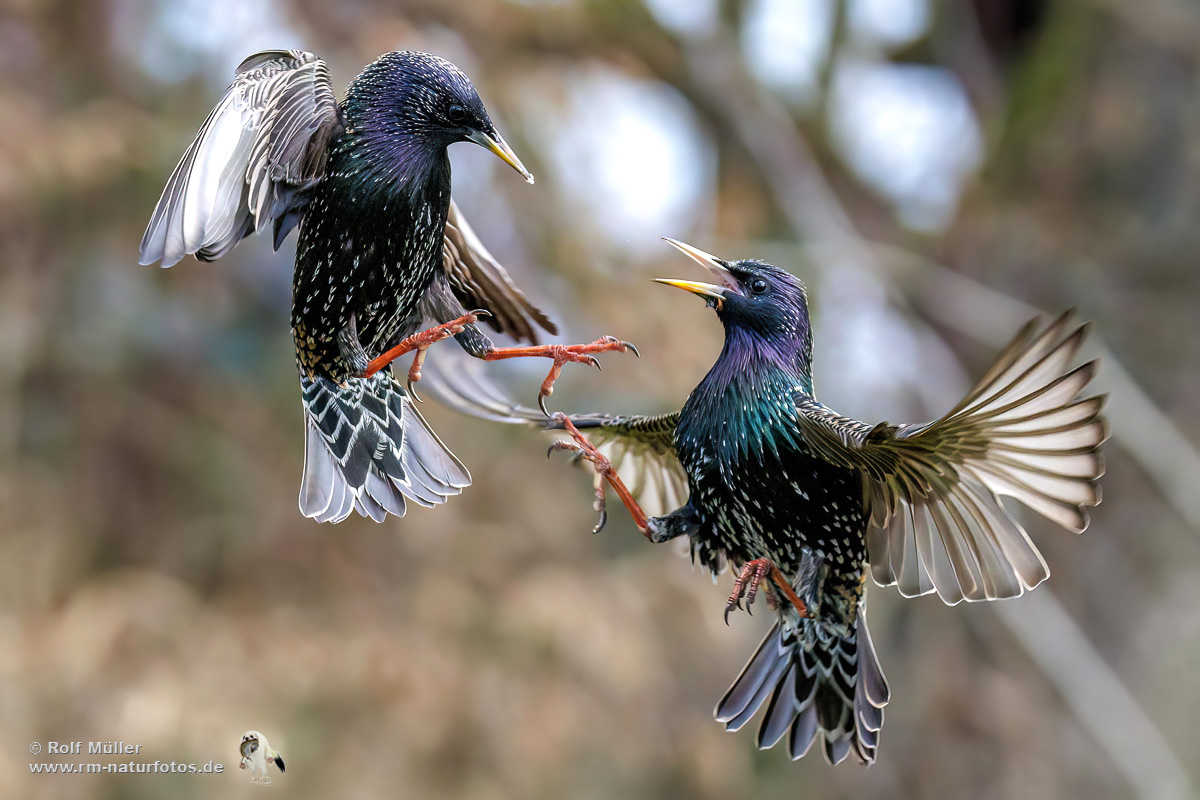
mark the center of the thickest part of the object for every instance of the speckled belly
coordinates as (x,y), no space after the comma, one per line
(781,509)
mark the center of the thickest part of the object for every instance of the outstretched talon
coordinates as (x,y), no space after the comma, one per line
(584,449)
(563,354)
(421,342)
(414,373)
(746,586)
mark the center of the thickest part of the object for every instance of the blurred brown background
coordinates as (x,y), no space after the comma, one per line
(936,171)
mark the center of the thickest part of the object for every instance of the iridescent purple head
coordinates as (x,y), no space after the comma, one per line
(417,104)
(755,301)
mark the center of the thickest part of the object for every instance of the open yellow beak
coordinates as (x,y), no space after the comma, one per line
(502,151)
(695,287)
(711,263)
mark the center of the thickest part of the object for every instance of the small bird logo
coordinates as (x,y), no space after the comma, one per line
(257,754)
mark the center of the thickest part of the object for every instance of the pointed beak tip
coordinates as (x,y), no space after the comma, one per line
(695,287)
(710,262)
(695,253)
(501,150)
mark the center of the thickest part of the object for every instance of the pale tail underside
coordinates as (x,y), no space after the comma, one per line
(368,449)
(817,682)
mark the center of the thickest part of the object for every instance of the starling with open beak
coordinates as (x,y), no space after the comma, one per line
(807,502)
(382,249)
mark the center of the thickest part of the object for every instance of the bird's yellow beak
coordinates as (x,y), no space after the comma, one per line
(710,262)
(695,287)
(502,151)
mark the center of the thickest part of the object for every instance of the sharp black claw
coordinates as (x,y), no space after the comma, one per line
(563,444)
(603,521)
(412,389)
(630,346)
(542,405)
(727,610)
(482,312)
(596,363)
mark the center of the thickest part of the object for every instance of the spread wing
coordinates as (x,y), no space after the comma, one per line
(641,447)
(934,490)
(257,155)
(479,281)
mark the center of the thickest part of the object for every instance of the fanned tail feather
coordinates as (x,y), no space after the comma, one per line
(368,449)
(816,678)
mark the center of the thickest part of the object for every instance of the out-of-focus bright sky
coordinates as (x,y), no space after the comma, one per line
(907,131)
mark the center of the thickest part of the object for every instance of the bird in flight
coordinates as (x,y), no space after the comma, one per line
(256,755)
(806,502)
(382,248)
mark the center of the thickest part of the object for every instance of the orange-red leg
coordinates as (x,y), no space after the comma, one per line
(604,474)
(747,582)
(752,572)
(562,354)
(421,342)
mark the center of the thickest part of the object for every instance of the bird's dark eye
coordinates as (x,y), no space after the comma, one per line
(457,114)
(758,286)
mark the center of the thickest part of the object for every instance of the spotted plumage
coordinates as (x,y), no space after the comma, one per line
(382,251)
(763,470)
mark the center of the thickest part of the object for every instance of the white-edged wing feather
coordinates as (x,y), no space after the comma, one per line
(937,523)
(266,141)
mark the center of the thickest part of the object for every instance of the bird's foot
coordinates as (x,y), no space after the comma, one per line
(414,373)
(584,449)
(746,586)
(563,354)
